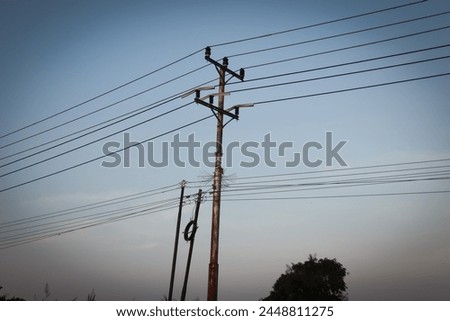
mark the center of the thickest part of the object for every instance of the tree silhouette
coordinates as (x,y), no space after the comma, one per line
(6,297)
(313,280)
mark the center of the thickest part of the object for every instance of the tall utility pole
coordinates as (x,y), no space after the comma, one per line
(219,112)
(213,274)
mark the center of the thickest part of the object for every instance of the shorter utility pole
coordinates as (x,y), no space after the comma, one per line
(190,237)
(177,236)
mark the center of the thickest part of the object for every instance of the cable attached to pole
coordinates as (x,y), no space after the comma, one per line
(191,238)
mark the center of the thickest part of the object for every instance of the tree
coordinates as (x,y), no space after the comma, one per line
(46,291)
(91,296)
(314,280)
(6,297)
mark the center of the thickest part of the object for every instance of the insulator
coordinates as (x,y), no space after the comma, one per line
(242,73)
(207,52)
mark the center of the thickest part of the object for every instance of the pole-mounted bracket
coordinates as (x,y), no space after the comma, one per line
(197,91)
(224,65)
(216,109)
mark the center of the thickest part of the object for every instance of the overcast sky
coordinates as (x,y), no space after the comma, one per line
(395,243)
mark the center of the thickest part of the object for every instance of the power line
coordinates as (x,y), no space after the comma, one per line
(401,177)
(98,219)
(370,174)
(340,180)
(98,129)
(124,116)
(103,94)
(102,214)
(90,206)
(288,188)
(103,156)
(427,161)
(261,78)
(353,185)
(138,111)
(337,35)
(316,24)
(350,89)
(334,76)
(171,98)
(197,51)
(17,242)
(344,64)
(215,45)
(204,118)
(101,109)
(87,144)
(334,196)
(127,98)
(63,223)
(304,187)
(348,47)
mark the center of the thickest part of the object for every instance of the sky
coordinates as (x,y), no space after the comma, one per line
(395,243)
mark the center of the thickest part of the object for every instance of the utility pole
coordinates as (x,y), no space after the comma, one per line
(177,235)
(213,274)
(219,112)
(190,238)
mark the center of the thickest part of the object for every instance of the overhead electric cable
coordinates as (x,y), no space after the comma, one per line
(354,62)
(103,94)
(356,182)
(103,156)
(417,162)
(368,180)
(200,50)
(80,117)
(334,196)
(84,219)
(336,75)
(251,52)
(207,117)
(308,186)
(89,143)
(90,206)
(99,109)
(266,86)
(400,173)
(269,101)
(101,128)
(347,47)
(317,24)
(123,116)
(73,229)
